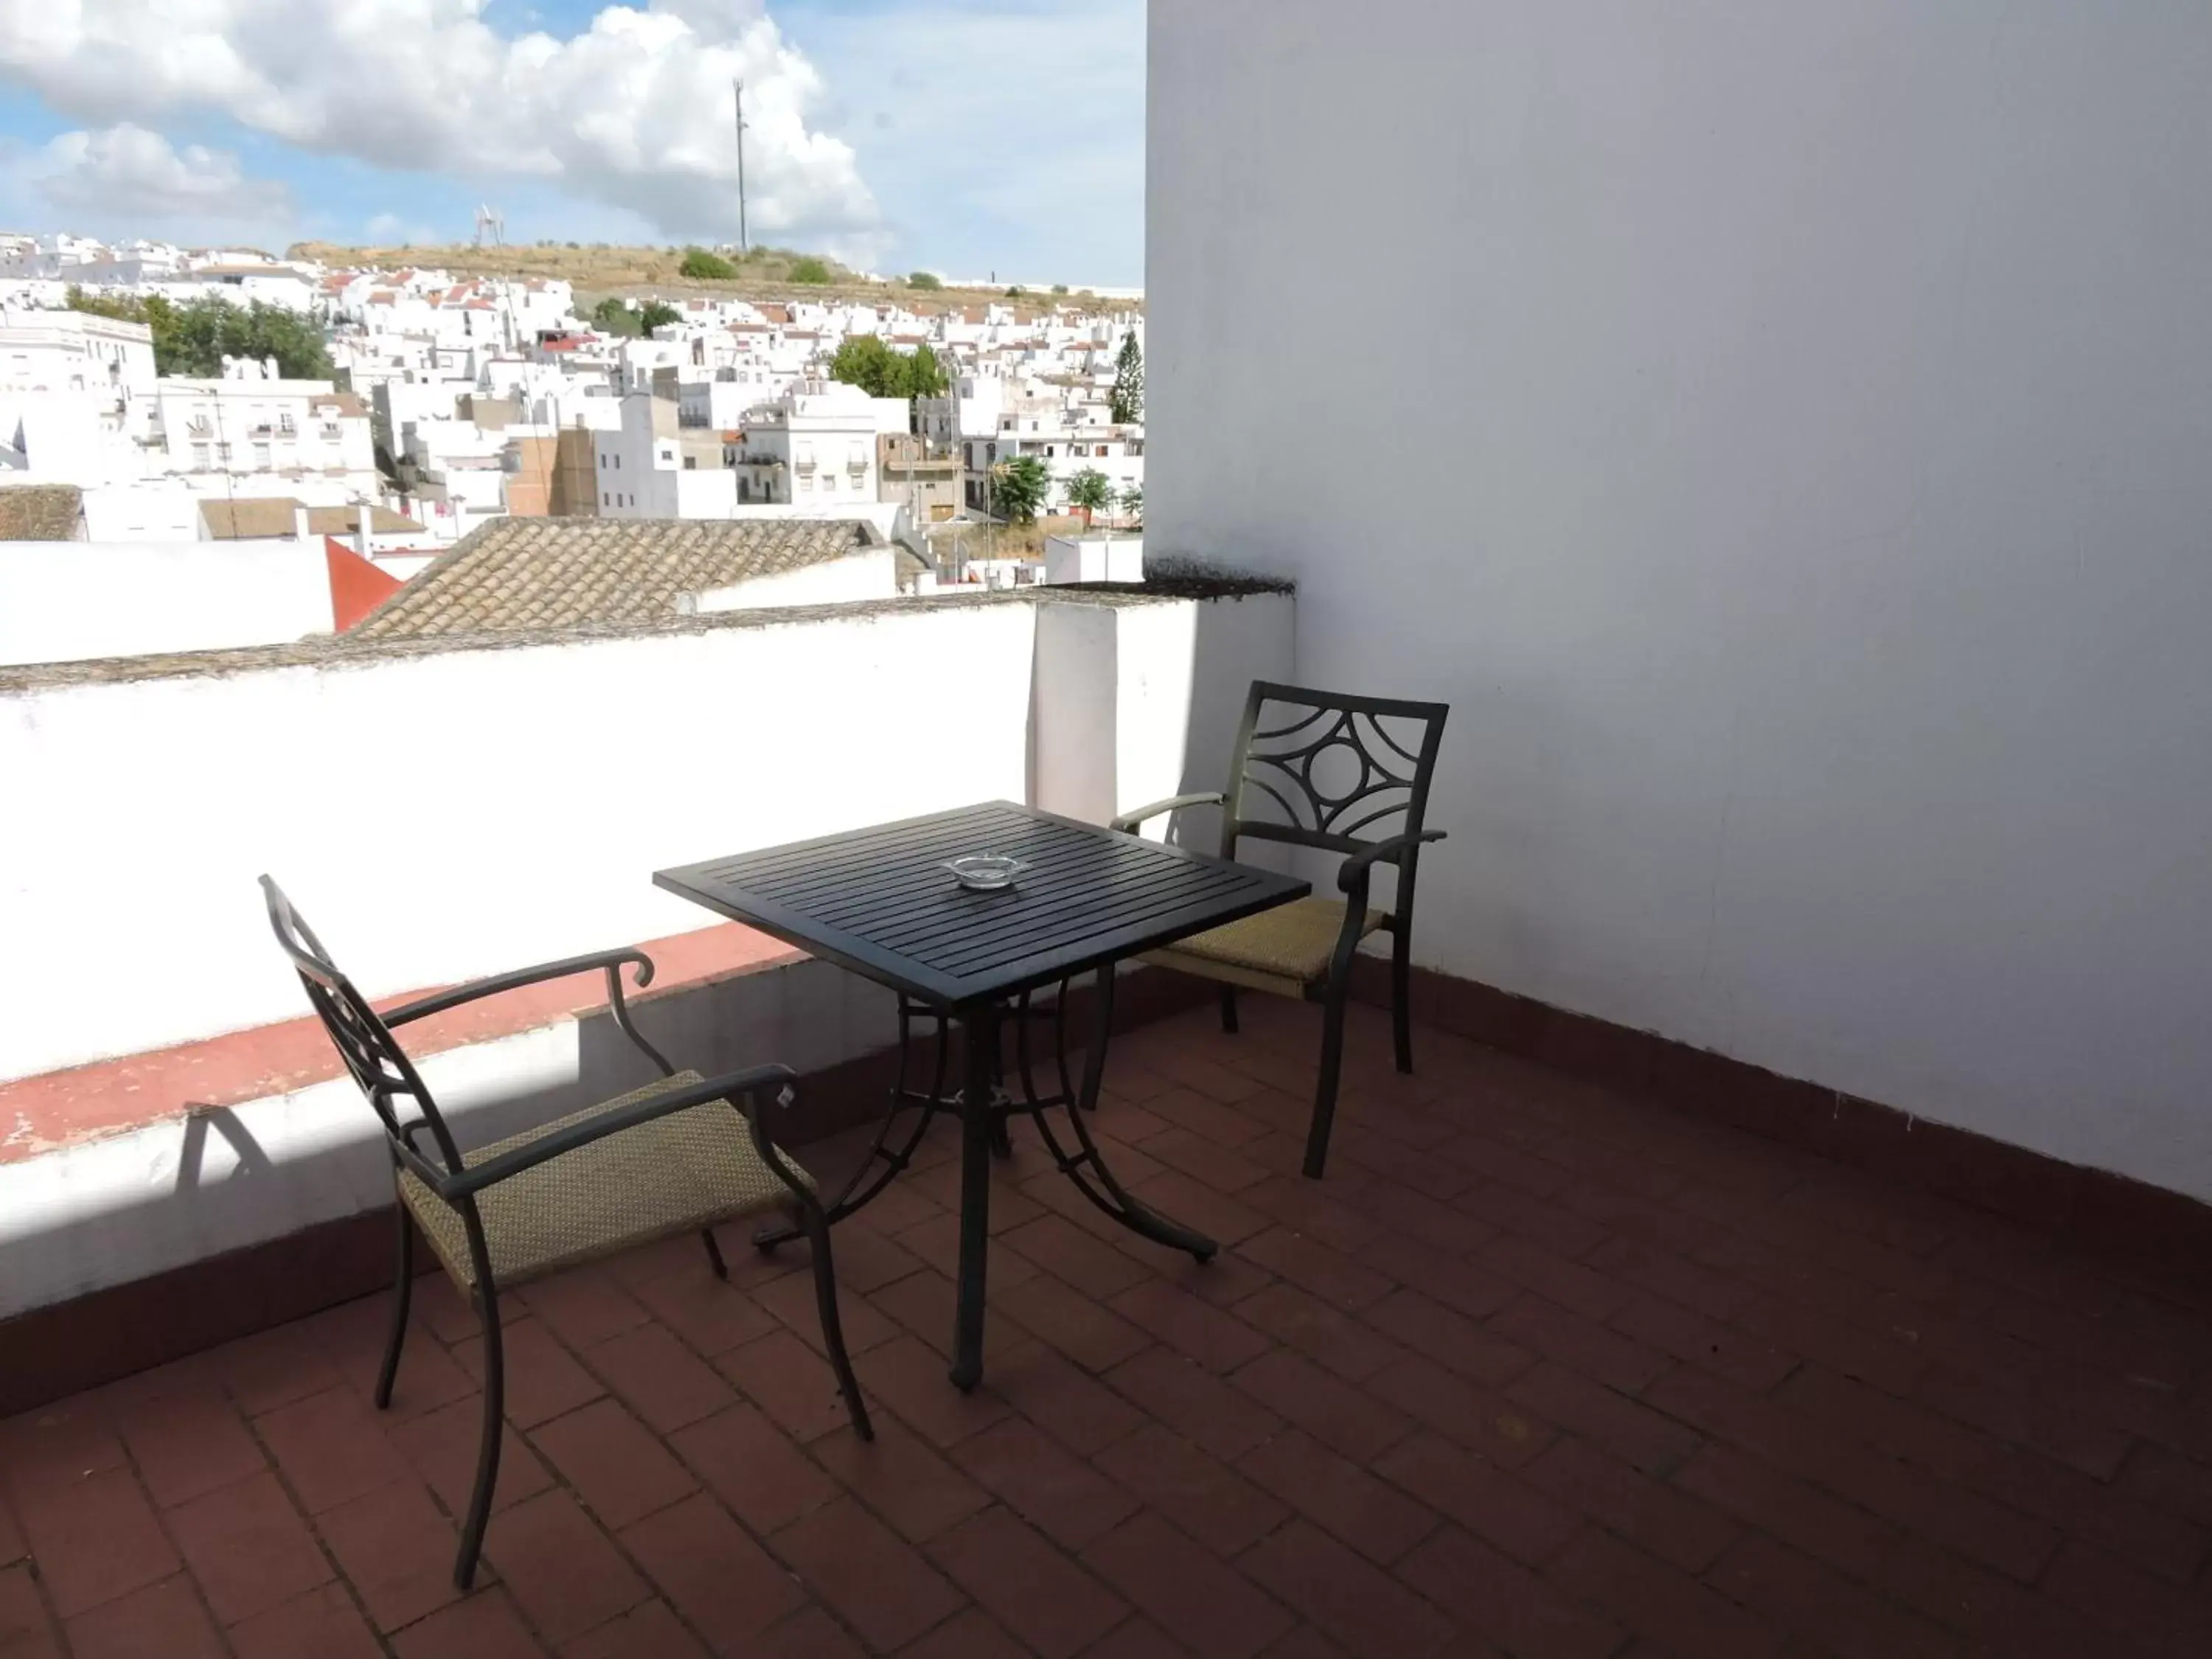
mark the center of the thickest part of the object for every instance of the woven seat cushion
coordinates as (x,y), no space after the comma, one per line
(675,1174)
(1284,949)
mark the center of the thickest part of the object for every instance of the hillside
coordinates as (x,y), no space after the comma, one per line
(598,269)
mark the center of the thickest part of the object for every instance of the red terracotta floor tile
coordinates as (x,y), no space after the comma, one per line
(714,1573)
(1603,1382)
(1060,1398)
(442,1447)
(651,1631)
(161,1621)
(96,1540)
(973,1635)
(1030,1587)
(913,1380)
(789,1381)
(765,1479)
(809,1633)
(188,1442)
(618,1469)
(1186,1590)
(1364,1609)
(1050,1488)
(27,1632)
(543,1379)
(397,1552)
(1338,1496)
(869,1576)
(330,1447)
(485,1627)
(902,1479)
(560,1569)
(1203,1496)
(247,1548)
(658,1377)
(323,1624)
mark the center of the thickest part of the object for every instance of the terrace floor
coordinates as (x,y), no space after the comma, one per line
(1538,1371)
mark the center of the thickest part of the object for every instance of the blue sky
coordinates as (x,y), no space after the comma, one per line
(966,137)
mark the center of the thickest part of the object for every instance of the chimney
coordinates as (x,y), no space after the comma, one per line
(362,527)
(300,520)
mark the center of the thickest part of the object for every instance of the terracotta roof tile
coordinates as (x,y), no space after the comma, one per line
(41,512)
(527,574)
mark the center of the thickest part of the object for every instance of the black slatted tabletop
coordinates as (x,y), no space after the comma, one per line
(879,902)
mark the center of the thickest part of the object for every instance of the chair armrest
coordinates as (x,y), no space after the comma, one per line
(1129,821)
(736,1087)
(1361,864)
(441,1001)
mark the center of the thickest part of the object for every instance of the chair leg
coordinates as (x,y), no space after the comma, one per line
(1401,997)
(1331,1063)
(403,1292)
(494,1406)
(1228,1009)
(714,1253)
(833,1329)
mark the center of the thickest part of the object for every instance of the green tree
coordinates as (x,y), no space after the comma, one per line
(928,280)
(925,375)
(700,266)
(1091,490)
(611,316)
(864,361)
(192,340)
(654,313)
(1132,503)
(1128,400)
(1059,288)
(1018,488)
(812,270)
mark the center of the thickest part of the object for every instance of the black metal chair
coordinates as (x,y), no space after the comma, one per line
(664,1159)
(1328,771)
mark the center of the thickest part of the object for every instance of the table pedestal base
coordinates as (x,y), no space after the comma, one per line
(985,1106)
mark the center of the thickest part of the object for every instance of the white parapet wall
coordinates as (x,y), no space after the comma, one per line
(65,600)
(447,813)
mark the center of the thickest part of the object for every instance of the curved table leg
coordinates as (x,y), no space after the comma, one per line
(875,1172)
(1087,1166)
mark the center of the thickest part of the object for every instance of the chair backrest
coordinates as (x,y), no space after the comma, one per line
(363,1041)
(1329,770)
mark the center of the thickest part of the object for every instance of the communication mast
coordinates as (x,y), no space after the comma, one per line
(745,240)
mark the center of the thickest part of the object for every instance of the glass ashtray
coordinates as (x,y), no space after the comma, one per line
(986,873)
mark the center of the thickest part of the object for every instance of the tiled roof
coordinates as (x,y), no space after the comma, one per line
(344,520)
(525,574)
(41,512)
(249,517)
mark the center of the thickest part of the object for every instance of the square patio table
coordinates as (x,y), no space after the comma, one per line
(878,902)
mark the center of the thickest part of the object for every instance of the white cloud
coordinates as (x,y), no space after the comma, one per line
(125,173)
(632,113)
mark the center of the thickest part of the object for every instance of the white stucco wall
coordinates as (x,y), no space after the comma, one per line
(1823,594)
(60,601)
(529,830)
(869,573)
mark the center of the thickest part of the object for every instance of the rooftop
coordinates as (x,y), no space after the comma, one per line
(1542,1369)
(528,574)
(41,512)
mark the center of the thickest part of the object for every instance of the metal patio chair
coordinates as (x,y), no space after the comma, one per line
(680,1154)
(1328,771)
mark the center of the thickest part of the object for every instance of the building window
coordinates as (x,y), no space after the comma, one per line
(200,455)
(606,500)
(690,463)
(261,457)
